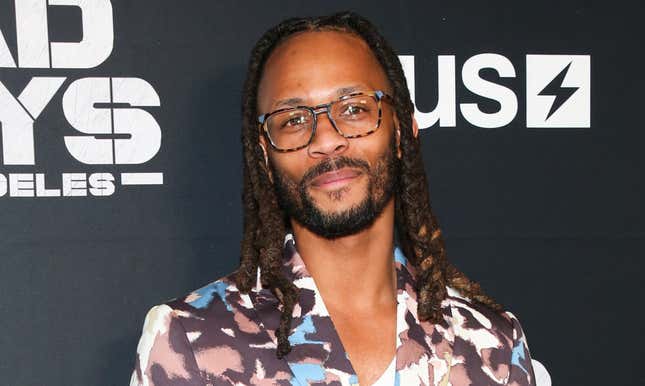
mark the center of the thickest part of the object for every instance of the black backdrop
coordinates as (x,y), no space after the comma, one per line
(549,220)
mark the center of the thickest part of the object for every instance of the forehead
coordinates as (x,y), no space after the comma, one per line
(316,66)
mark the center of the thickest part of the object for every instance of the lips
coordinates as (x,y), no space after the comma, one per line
(335,177)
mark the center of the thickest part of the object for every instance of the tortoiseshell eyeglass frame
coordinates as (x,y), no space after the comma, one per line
(326,107)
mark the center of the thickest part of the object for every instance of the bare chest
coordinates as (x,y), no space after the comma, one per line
(370,342)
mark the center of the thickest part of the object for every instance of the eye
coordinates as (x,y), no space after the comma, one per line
(295,121)
(292,122)
(354,110)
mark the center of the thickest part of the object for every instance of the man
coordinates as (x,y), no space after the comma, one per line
(333,182)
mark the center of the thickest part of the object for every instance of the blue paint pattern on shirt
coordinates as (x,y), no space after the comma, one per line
(206,295)
(306,327)
(517,354)
(307,372)
(399,257)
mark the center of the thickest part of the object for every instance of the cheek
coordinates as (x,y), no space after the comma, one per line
(374,146)
(290,165)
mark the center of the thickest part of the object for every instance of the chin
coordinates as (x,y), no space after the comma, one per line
(338,200)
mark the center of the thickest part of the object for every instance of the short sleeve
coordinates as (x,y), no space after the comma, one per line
(521,368)
(164,355)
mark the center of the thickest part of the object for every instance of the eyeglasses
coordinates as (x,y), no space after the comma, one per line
(354,115)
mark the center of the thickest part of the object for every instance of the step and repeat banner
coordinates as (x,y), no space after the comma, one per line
(120,168)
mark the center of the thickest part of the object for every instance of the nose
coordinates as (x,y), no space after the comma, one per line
(327,141)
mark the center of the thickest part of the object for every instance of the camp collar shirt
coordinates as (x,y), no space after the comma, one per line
(218,336)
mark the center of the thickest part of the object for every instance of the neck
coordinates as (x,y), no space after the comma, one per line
(352,271)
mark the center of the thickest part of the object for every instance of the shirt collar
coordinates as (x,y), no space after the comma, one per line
(317,353)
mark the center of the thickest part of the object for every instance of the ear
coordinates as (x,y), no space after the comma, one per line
(263,146)
(415,127)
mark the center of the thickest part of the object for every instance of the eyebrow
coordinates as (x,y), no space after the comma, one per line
(293,102)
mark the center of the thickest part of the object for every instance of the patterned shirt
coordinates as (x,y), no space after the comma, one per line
(219,336)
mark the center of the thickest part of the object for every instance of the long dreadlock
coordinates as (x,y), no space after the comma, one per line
(265,223)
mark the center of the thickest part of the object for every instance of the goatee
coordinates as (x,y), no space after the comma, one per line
(297,203)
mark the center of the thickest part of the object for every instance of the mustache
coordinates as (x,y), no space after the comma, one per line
(331,164)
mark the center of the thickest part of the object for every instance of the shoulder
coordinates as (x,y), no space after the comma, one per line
(472,315)
(218,304)
(216,295)
(202,335)
(497,338)
(164,353)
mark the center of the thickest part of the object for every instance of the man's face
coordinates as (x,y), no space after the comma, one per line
(335,186)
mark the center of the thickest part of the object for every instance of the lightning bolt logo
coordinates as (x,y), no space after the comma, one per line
(561,94)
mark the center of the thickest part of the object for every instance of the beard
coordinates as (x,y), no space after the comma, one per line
(298,204)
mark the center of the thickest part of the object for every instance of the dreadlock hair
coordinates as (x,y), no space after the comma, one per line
(265,223)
